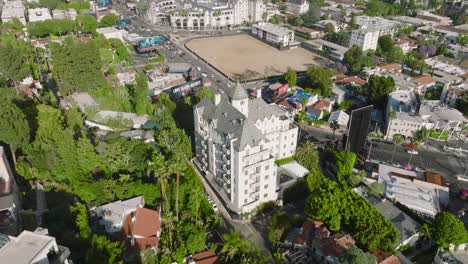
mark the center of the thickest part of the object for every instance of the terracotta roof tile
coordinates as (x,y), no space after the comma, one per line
(146,227)
(395,67)
(206,257)
(423,79)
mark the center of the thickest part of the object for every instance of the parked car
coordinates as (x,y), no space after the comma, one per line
(412,152)
(204,75)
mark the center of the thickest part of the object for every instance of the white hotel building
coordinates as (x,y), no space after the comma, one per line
(237,140)
(273,33)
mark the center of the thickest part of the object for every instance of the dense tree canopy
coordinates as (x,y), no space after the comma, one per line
(77,66)
(14,127)
(15,62)
(56,27)
(339,207)
(449,230)
(378,88)
(108,20)
(355,59)
(290,77)
(320,79)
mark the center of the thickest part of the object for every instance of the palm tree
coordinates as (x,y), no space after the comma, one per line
(232,247)
(391,116)
(334,126)
(426,232)
(397,139)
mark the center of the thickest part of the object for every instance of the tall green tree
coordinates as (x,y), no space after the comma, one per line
(320,78)
(355,255)
(108,20)
(307,156)
(290,77)
(14,65)
(397,139)
(14,127)
(378,88)
(449,230)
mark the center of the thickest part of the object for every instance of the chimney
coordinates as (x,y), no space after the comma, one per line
(217,98)
(259,92)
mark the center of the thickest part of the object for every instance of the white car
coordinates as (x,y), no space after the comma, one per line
(412,152)
(215,207)
(203,74)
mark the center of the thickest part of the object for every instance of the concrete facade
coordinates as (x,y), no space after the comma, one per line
(237,141)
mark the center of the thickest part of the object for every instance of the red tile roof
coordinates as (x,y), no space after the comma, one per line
(395,67)
(423,79)
(207,257)
(385,257)
(456,90)
(321,105)
(145,225)
(344,79)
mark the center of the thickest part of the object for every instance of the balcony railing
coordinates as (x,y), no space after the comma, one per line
(227,149)
(227,168)
(227,159)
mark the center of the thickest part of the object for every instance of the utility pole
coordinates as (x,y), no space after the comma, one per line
(370,149)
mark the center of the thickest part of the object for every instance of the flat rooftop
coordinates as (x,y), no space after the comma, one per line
(273,29)
(24,248)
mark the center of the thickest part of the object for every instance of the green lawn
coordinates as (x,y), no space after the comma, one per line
(435,133)
(159,58)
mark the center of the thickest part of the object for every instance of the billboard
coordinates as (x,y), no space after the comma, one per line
(358,128)
(149,44)
(182,90)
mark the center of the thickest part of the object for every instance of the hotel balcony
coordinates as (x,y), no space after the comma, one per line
(227,159)
(203,144)
(226,149)
(227,168)
(226,176)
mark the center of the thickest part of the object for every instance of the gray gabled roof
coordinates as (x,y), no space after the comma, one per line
(230,121)
(258,109)
(237,92)
(404,223)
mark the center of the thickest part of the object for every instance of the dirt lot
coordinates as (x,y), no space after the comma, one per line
(244,57)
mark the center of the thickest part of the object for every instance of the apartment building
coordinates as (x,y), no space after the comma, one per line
(9,197)
(156,11)
(32,248)
(273,34)
(13,9)
(211,14)
(369,31)
(439,20)
(412,114)
(237,140)
(297,7)
(451,94)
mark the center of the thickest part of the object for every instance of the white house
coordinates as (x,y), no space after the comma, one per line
(112,215)
(13,9)
(31,248)
(237,140)
(38,14)
(340,117)
(112,32)
(273,33)
(411,115)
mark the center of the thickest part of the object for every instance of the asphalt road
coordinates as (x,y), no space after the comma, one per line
(430,156)
(446,163)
